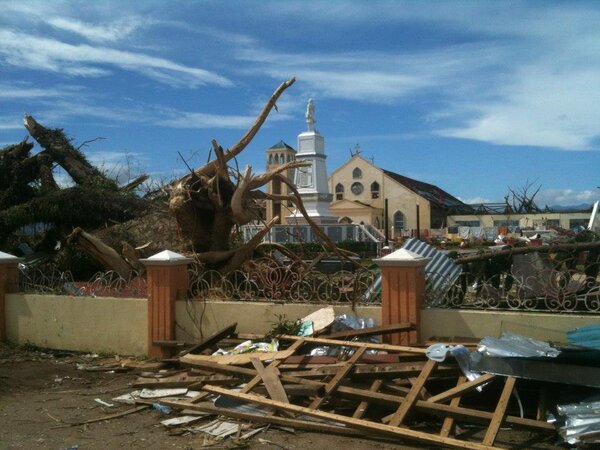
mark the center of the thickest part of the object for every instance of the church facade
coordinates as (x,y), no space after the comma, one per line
(360,189)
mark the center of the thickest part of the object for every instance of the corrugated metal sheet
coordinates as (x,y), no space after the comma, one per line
(441,272)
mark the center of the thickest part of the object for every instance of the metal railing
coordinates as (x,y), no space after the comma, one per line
(49,280)
(529,282)
(267,279)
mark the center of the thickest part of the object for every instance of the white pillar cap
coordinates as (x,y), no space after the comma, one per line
(6,258)
(402,258)
(166,258)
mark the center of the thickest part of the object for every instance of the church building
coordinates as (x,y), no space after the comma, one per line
(356,192)
(360,189)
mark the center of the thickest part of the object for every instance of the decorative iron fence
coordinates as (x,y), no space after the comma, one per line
(528,282)
(49,280)
(266,279)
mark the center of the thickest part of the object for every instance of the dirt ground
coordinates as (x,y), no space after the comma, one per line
(41,392)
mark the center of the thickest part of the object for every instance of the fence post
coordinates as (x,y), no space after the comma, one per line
(9,283)
(167,277)
(402,292)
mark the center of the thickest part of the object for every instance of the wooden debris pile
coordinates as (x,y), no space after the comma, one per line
(333,384)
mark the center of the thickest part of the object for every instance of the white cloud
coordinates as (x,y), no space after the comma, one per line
(108,32)
(474,200)
(22,91)
(11,123)
(566,197)
(522,76)
(33,52)
(203,120)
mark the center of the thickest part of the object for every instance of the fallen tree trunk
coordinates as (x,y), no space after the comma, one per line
(68,157)
(101,252)
(578,247)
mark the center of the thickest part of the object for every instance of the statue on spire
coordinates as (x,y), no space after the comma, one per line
(310,115)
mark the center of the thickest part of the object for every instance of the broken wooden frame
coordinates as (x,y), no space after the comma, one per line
(379,393)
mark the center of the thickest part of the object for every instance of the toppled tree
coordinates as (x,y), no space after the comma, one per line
(214,198)
(30,194)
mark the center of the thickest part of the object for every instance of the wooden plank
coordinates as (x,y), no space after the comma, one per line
(240,359)
(254,381)
(500,412)
(337,379)
(270,377)
(448,424)
(369,345)
(211,340)
(361,409)
(259,418)
(461,389)
(361,424)
(438,409)
(397,369)
(413,395)
(181,380)
(373,331)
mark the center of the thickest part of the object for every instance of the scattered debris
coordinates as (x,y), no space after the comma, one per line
(363,388)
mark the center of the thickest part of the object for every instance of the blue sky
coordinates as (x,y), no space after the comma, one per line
(472,96)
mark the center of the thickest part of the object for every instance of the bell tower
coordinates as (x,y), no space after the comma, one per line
(277,155)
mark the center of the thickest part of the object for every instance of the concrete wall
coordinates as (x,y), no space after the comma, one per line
(252,317)
(115,325)
(477,324)
(119,325)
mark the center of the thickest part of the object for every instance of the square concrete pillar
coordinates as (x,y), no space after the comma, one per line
(9,283)
(168,281)
(402,292)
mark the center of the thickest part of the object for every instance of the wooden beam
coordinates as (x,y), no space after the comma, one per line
(360,424)
(258,418)
(241,359)
(386,347)
(500,412)
(412,397)
(448,424)
(361,409)
(211,340)
(254,381)
(373,331)
(270,378)
(337,379)
(461,389)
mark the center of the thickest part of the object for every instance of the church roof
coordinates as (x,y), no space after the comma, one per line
(432,193)
(281,145)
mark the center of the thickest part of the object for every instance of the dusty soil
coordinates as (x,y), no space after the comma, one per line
(41,392)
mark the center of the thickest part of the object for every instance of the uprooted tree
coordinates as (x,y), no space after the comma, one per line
(211,200)
(30,194)
(207,203)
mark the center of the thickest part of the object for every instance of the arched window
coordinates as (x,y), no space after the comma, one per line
(339,191)
(374,189)
(289,157)
(282,158)
(271,159)
(356,173)
(398,222)
(276,160)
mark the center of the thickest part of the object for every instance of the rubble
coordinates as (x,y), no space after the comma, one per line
(363,388)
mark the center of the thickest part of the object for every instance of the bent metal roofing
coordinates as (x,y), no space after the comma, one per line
(428,191)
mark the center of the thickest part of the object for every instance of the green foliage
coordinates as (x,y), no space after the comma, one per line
(283,326)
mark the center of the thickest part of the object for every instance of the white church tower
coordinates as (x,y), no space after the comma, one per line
(311,181)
